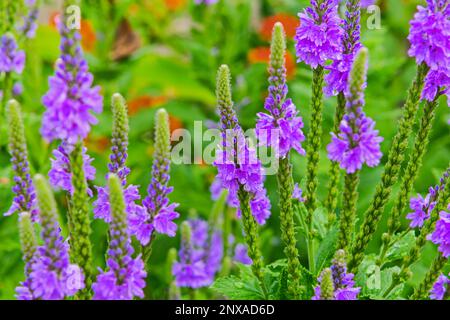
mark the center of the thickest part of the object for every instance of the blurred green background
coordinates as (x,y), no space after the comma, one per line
(165,53)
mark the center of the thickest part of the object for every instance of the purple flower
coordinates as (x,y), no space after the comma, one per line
(440,288)
(282,119)
(430,43)
(367,3)
(246,171)
(241,254)
(157,213)
(102,207)
(200,255)
(337,79)
(125,276)
(318,38)
(70,98)
(29,26)
(437,83)
(60,174)
(216,189)
(297,193)
(429,35)
(11,59)
(206,2)
(17,89)
(441,234)
(343,283)
(357,141)
(52,276)
(422,209)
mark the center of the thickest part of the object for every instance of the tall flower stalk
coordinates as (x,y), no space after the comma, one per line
(69,103)
(25,195)
(433,58)
(283,122)
(337,84)
(410,175)
(125,276)
(442,197)
(117,163)
(318,39)
(157,213)
(241,172)
(391,171)
(356,143)
(52,276)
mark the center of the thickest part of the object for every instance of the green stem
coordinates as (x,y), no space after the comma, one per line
(251,237)
(285,190)
(430,278)
(391,171)
(79,222)
(314,140)
(428,227)
(348,213)
(334,172)
(410,175)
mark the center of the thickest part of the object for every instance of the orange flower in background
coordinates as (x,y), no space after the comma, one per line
(262,55)
(175,4)
(145,102)
(290,23)
(175,123)
(53,19)
(88,37)
(97,144)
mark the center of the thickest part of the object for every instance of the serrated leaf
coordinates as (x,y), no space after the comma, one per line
(244,287)
(401,246)
(327,248)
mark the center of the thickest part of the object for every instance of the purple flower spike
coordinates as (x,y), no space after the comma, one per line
(11,59)
(358,141)
(60,175)
(157,213)
(29,25)
(422,209)
(337,79)
(200,255)
(318,38)
(125,276)
(52,276)
(429,37)
(282,118)
(71,97)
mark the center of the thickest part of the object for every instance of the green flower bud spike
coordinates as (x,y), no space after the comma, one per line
(285,180)
(314,141)
(79,221)
(326,285)
(391,171)
(28,240)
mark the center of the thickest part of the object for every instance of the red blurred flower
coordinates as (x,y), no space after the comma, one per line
(175,123)
(262,55)
(88,37)
(175,4)
(290,23)
(98,144)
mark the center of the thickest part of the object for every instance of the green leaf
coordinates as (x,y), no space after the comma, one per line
(327,248)
(401,246)
(244,287)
